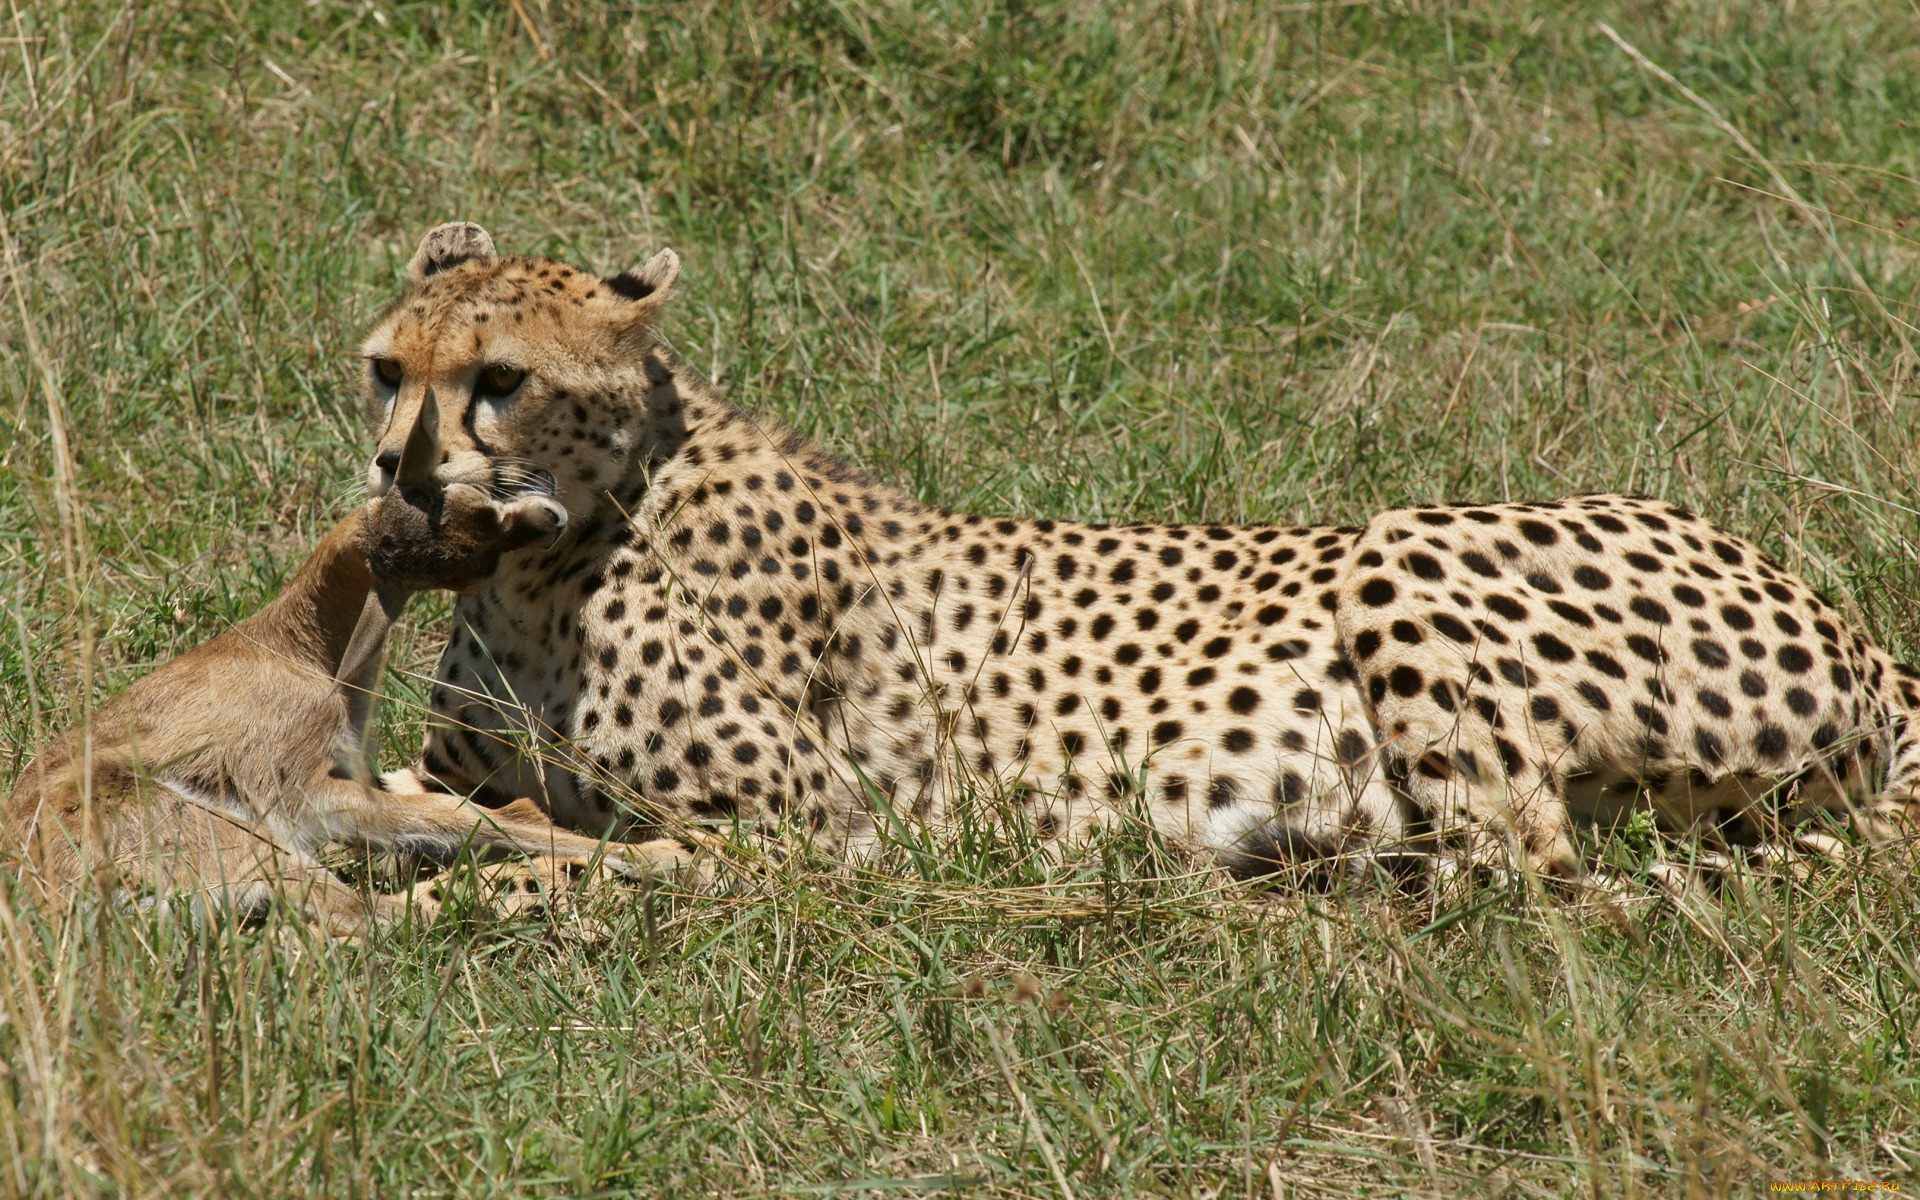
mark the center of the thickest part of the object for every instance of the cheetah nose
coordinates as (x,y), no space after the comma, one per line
(388,463)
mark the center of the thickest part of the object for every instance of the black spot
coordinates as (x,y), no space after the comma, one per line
(629,285)
(1366,643)
(1291,648)
(1222,794)
(1592,579)
(1571,614)
(1794,658)
(1243,700)
(1715,703)
(1507,607)
(1771,741)
(1166,731)
(1801,701)
(1650,609)
(1514,673)
(1238,741)
(1351,747)
(1689,595)
(1424,565)
(1479,564)
(1450,625)
(1552,648)
(1539,532)
(1405,681)
(1593,695)
(1307,700)
(1710,653)
(1710,746)
(1545,708)
(1376,592)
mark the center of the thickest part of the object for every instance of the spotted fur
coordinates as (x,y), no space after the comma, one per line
(739,626)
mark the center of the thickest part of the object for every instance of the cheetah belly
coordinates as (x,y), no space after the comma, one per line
(1008,681)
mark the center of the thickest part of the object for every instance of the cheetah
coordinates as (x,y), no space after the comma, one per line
(738,627)
(216,778)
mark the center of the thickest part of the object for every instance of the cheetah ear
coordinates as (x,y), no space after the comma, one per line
(651,281)
(449,245)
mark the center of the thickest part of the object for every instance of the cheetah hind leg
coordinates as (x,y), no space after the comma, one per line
(1481,829)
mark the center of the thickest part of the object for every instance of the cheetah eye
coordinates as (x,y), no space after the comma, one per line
(498,380)
(388,372)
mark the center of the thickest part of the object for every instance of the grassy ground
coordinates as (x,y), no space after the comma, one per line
(1103,260)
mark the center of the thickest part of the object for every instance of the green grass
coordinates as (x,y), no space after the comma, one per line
(1112,261)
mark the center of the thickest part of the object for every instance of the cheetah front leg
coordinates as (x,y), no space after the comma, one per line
(441,826)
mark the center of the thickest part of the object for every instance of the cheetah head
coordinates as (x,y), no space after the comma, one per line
(540,369)
(422,535)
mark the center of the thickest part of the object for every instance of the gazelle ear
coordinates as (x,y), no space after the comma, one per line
(422,454)
(449,245)
(652,280)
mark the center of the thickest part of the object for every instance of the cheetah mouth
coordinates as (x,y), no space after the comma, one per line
(513,480)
